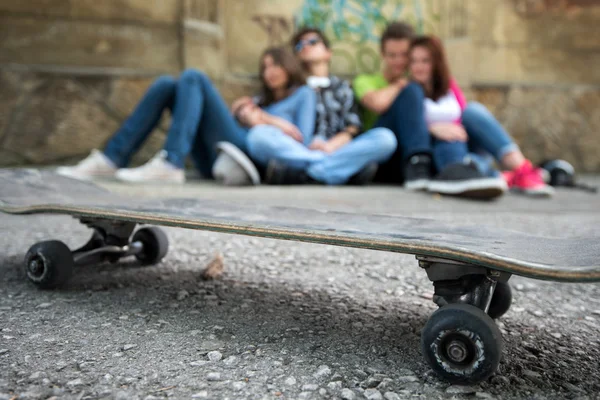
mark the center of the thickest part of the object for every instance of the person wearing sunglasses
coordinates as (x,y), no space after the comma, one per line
(339,152)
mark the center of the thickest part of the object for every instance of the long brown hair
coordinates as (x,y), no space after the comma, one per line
(285,59)
(440,71)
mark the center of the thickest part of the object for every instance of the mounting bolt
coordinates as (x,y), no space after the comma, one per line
(457,351)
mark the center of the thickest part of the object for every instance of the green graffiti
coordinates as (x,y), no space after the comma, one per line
(360,23)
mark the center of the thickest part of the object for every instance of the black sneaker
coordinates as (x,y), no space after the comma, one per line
(364,176)
(465,180)
(417,172)
(279,173)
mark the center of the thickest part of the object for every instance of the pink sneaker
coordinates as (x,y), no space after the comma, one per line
(528,180)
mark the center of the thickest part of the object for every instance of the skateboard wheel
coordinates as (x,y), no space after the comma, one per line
(155,245)
(501,300)
(49,264)
(462,344)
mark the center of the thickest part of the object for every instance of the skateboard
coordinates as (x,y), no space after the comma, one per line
(469,266)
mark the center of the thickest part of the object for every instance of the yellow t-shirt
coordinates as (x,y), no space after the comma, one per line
(362,85)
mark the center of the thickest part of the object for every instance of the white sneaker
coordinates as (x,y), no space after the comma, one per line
(96,165)
(158,169)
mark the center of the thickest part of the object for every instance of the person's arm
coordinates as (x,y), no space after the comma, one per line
(448,131)
(286,127)
(306,113)
(377,100)
(303,125)
(237,105)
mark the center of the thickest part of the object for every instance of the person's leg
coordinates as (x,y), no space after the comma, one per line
(405,118)
(284,159)
(201,119)
(136,129)
(411,162)
(373,146)
(130,136)
(487,133)
(198,113)
(266,143)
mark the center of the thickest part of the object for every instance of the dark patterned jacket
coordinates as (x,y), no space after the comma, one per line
(336,108)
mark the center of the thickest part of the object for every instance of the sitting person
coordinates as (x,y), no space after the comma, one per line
(390,100)
(445,107)
(338,152)
(201,119)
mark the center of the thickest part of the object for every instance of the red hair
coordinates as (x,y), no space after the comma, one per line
(440,71)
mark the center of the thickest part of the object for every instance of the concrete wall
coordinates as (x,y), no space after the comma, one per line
(71,70)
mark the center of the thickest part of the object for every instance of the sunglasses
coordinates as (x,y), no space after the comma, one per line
(300,45)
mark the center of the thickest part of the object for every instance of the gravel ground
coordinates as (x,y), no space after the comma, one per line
(287,320)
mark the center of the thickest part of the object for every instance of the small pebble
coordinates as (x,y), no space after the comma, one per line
(373,394)
(532,374)
(213,376)
(198,363)
(391,396)
(457,389)
(323,372)
(407,379)
(200,395)
(334,386)
(309,387)
(347,394)
(45,305)
(182,294)
(129,347)
(75,382)
(215,356)
(291,381)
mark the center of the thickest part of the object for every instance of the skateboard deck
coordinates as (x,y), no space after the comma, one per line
(33,191)
(469,265)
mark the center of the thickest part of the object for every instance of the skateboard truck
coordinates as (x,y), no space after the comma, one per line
(49,264)
(461,341)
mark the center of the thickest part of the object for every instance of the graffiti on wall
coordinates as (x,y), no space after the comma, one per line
(358,25)
(355,26)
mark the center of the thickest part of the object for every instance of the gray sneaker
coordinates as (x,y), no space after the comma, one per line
(465,180)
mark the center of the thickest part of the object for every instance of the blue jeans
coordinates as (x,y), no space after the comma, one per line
(488,140)
(405,118)
(266,142)
(485,133)
(200,119)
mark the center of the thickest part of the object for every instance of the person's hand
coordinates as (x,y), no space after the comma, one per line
(449,132)
(250,114)
(318,145)
(242,101)
(291,130)
(401,83)
(332,145)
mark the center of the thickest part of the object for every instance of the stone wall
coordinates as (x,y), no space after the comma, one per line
(71,70)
